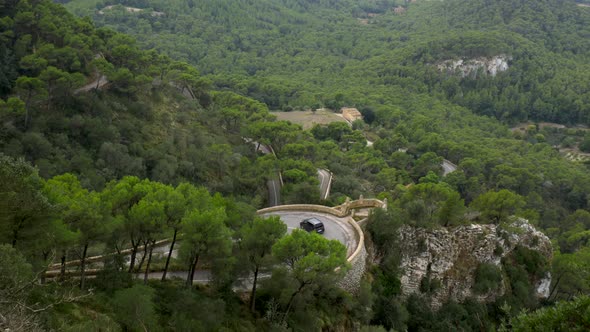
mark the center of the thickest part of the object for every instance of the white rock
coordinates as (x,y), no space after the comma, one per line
(451,255)
(470,67)
(544,286)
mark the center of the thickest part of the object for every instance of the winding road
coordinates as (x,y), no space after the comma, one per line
(274,185)
(96,84)
(448,167)
(335,228)
(325,178)
(274,192)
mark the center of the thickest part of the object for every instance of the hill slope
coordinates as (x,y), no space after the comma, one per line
(159,119)
(306,53)
(138,123)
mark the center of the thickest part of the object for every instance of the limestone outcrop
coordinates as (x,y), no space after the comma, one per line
(472,67)
(450,257)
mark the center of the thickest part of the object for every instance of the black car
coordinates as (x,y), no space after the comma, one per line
(312,224)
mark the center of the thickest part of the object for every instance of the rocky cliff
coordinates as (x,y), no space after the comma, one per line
(449,258)
(471,67)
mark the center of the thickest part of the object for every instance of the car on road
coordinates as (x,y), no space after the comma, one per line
(312,224)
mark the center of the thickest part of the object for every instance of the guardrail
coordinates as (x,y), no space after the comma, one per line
(94,259)
(340,212)
(361,203)
(365,203)
(303,207)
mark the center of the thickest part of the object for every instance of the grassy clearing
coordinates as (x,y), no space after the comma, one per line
(307,119)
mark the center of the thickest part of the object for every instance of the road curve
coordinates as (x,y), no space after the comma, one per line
(96,84)
(448,167)
(274,192)
(325,178)
(274,185)
(335,228)
(263,148)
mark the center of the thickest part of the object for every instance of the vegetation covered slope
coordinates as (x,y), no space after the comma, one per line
(313,53)
(306,53)
(141,124)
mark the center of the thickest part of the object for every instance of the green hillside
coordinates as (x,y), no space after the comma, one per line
(132,125)
(306,53)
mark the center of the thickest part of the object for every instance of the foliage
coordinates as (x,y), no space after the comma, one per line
(16,279)
(122,159)
(62,125)
(523,268)
(498,206)
(16,274)
(544,41)
(487,277)
(431,203)
(135,309)
(309,256)
(564,316)
(24,208)
(205,236)
(310,264)
(571,272)
(256,240)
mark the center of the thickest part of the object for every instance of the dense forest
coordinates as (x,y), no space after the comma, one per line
(294,53)
(123,128)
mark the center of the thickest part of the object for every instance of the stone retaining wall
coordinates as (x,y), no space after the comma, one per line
(349,206)
(358,263)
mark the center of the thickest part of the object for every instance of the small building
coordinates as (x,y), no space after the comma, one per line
(351,114)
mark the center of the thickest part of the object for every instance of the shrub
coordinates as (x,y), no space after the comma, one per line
(487,277)
(533,262)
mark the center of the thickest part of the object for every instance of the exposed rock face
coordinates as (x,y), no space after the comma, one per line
(543,288)
(471,67)
(452,255)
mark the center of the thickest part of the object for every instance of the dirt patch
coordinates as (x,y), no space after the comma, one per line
(523,126)
(574,154)
(307,118)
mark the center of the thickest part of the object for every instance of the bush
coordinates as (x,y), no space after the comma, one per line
(534,263)
(585,145)
(134,308)
(487,277)
(565,316)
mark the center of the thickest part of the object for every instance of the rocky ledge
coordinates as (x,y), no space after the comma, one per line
(451,256)
(471,67)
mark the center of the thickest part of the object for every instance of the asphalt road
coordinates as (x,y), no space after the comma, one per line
(274,192)
(98,83)
(263,148)
(325,178)
(274,186)
(448,167)
(335,228)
